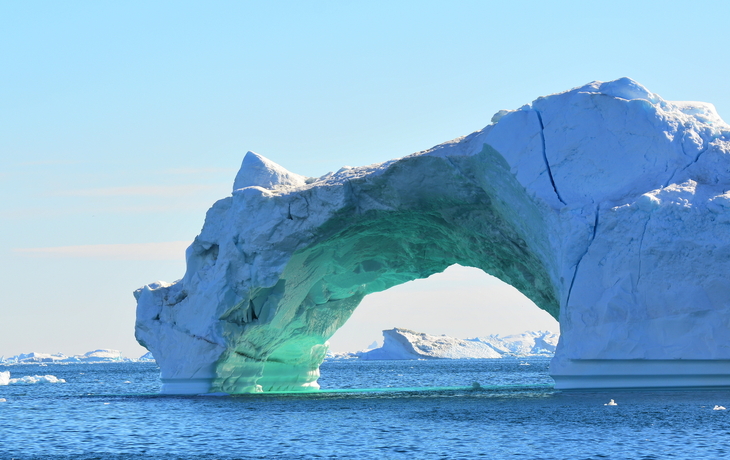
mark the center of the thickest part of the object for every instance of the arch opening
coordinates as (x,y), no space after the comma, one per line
(460,302)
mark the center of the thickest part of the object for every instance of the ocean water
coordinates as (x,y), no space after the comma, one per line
(367,409)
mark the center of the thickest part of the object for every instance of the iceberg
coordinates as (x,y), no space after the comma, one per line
(28,379)
(406,344)
(146,357)
(36,358)
(33,379)
(530,343)
(97,356)
(102,355)
(606,205)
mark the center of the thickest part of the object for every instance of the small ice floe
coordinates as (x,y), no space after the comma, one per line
(3,400)
(33,379)
(4,378)
(718,408)
(611,403)
(524,364)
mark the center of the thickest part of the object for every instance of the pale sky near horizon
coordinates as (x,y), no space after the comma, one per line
(122,122)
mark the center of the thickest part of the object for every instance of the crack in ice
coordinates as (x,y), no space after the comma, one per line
(544,157)
(641,244)
(580,259)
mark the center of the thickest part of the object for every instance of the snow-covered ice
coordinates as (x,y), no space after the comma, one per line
(33,379)
(97,356)
(401,343)
(406,344)
(606,205)
(28,379)
(102,355)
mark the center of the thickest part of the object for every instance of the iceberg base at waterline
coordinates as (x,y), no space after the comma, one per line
(640,373)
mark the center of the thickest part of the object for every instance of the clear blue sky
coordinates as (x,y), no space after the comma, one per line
(122,122)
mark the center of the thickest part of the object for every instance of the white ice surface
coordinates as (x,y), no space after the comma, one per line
(406,344)
(97,356)
(28,379)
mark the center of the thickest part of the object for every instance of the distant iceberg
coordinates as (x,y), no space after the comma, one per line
(146,357)
(102,355)
(401,343)
(530,343)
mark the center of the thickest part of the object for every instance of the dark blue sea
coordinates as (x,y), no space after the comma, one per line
(366,410)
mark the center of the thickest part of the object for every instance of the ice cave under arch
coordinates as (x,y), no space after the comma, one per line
(605,205)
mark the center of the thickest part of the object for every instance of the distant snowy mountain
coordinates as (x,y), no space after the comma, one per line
(97,356)
(406,344)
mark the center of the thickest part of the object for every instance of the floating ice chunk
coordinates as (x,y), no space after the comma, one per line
(611,403)
(33,379)
(718,408)
(4,378)
(3,400)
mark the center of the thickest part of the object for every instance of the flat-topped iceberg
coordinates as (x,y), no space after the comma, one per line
(605,205)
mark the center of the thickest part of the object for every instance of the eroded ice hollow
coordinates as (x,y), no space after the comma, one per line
(605,205)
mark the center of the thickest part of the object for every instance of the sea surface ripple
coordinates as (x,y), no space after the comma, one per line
(367,409)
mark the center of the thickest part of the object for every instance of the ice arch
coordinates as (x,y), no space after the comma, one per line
(605,205)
